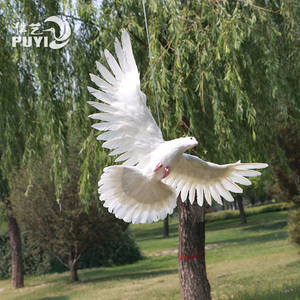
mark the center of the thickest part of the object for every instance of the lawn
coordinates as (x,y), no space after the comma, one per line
(254,261)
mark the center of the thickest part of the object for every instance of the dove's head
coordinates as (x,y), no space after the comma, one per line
(187,142)
(190,142)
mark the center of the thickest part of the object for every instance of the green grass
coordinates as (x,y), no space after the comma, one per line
(255,261)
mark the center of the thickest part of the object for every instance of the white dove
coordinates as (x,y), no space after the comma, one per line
(145,187)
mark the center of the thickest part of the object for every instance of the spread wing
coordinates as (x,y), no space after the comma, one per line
(129,127)
(193,176)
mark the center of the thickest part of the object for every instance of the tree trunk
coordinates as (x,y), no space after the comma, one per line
(73,270)
(194,284)
(16,253)
(241,208)
(166,227)
(72,267)
(252,200)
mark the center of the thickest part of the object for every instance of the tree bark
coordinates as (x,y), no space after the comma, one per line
(166,227)
(241,208)
(16,253)
(72,267)
(73,270)
(194,284)
(252,200)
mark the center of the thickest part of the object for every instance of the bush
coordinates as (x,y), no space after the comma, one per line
(294,226)
(232,214)
(5,261)
(39,261)
(35,259)
(109,253)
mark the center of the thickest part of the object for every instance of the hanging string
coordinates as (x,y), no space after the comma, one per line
(157,111)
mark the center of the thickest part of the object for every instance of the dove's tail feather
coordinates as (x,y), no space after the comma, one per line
(134,196)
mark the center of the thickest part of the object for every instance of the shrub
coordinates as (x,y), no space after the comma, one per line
(294,226)
(35,259)
(232,214)
(38,261)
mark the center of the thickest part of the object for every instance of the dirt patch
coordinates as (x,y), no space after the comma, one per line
(175,251)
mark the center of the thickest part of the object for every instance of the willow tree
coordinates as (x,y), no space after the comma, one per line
(43,97)
(219,74)
(223,69)
(35,93)
(18,128)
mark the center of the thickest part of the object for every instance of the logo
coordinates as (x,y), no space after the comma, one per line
(36,37)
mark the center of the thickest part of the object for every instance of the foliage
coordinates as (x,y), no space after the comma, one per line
(287,161)
(224,69)
(38,260)
(287,169)
(106,254)
(294,226)
(234,214)
(5,264)
(64,229)
(35,259)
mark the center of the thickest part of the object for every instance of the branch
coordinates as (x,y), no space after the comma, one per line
(166,47)
(138,39)
(261,8)
(62,262)
(78,19)
(117,9)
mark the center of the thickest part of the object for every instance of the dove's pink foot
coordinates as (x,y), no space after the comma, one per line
(159,166)
(166,172)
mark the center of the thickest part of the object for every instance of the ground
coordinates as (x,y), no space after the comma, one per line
(255,261)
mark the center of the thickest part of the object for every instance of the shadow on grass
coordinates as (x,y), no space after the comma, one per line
(155,233)
(294,265)
(291,292)
(262,238)
(54,298)
(252,225)
(130,276)
(276,225)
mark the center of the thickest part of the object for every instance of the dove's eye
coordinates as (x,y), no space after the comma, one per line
(191,138)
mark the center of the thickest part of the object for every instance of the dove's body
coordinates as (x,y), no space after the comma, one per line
(155,171)
(167,155)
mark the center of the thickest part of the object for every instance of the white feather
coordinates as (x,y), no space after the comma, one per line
(99,95)
(106,74)
(200,195)
(215,180)
(120,54)
(106,117)
(184,192)
(114,65)
(192,193)
(207,194)
(131,190)
(106,87)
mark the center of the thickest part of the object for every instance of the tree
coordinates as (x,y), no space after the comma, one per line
(287,170)
(166,227)
(66,229)
(219,65)
(239,200)
(18,130)
(191,252)
(35,104)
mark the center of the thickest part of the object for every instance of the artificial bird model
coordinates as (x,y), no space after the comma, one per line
(154,171)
